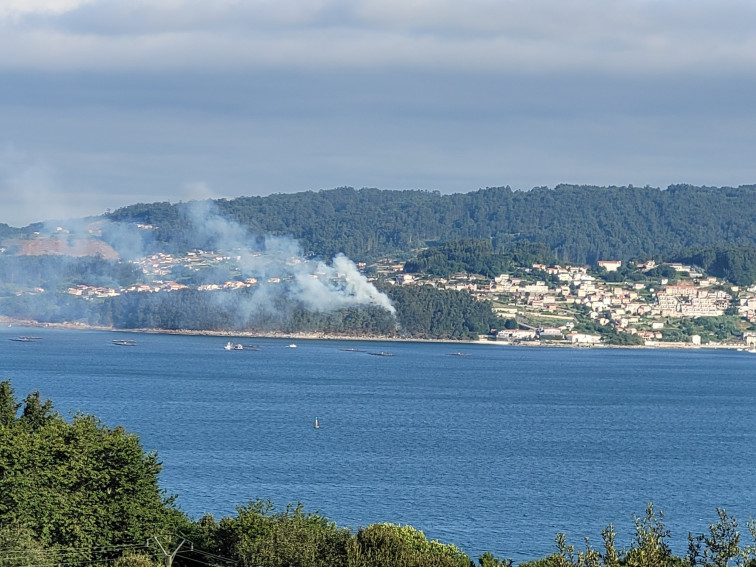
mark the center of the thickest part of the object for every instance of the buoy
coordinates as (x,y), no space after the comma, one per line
(317,425)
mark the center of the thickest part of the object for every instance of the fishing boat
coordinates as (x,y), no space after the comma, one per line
(26,339)
(292,345)
(381,353)
(232,346)
(124,342)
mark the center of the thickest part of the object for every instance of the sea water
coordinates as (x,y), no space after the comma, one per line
(497,450)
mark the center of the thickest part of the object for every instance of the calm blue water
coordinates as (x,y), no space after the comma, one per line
(496,451)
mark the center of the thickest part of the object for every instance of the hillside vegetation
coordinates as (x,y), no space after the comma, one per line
(425,265)
(81,493)
(581,224)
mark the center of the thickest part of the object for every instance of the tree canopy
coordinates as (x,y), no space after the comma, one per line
(80,493)
(580,224)
(77,484)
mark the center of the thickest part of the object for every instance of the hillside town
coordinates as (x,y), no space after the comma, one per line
(542,304)
(548,309)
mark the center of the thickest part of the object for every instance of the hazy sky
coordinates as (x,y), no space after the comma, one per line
(105,103)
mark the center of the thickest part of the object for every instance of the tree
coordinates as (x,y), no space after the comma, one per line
(391,545)
(260,536)
(80,484)
(723,541)
(36,413)
(650,548)
(26,550)
(488,559)
(8,405)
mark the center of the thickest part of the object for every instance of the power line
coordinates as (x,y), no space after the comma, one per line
(195,560)
(168,555)
(70,550)
(61,557)
(64,552)
(195,549)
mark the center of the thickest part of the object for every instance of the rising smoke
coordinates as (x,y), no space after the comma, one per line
(277,279)
(282,270)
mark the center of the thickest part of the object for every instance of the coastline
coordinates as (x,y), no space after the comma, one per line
(26,323)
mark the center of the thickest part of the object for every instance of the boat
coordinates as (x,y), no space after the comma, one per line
(381,353)
(232,346)
(317,425)
(457,354)
(26,339)
(292,346)
(350,350)
(124,342)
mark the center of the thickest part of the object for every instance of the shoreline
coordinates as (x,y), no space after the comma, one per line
(331,337)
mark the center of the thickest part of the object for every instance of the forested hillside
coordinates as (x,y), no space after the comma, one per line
(580,224)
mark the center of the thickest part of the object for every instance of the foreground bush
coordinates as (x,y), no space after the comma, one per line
(80,493)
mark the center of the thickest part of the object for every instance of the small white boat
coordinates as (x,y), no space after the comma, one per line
(232,346)
(292,345)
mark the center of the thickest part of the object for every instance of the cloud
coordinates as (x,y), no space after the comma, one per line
(16,9)
(527,36)
(124,101)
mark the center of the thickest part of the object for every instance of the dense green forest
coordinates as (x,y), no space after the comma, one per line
(734,264)
(477,256)
(429,313)
(422,312)
(580,224)
(79,493)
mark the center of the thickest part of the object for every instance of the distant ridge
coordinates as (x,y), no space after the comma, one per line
(581,224)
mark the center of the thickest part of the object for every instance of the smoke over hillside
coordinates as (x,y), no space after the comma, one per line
(313,283)
(278,268)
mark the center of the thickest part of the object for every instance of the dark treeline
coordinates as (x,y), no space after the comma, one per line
(734,264)
(60,272)
(421,312)
(425,312)
(81,493)
(580,224)
(476,256)
(238,311)
(7,231)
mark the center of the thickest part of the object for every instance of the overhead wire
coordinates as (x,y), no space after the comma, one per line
(62,557)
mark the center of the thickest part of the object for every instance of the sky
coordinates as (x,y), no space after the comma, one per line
(107,103)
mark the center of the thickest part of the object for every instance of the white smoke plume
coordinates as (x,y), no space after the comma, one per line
(280,267)
(339,285)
